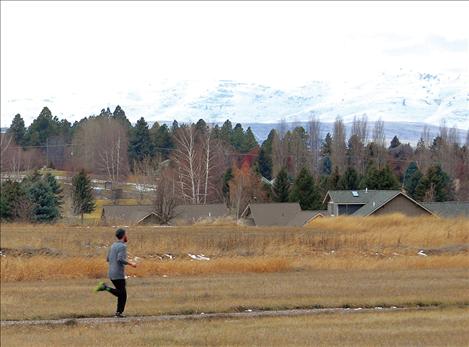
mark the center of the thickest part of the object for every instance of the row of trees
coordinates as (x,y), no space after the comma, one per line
(199,164)
(39,198)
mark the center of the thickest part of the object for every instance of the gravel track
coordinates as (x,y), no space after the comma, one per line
(221,315)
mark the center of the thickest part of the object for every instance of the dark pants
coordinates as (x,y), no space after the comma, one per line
(121,294)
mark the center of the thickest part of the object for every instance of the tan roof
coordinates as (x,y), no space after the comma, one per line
(272,214)
(196,212)
(130,214)
(302,217)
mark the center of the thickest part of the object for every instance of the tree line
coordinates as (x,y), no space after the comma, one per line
(199,163)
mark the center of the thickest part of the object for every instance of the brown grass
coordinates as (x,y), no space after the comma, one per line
(40,268)
(237,292)
(388,242)
(380,234)
(410,328)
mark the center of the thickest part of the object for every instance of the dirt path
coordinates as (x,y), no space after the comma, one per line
(245,314)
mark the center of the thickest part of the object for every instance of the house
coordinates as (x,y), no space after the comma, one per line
(372,202)
(449,209)
(193,213)
(145,214)
(278,214)
(134,214)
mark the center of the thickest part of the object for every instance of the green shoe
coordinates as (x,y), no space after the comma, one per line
(100,287)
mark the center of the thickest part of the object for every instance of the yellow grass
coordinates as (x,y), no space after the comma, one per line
(411,328)
(388,242)
(40,268)
(60,298)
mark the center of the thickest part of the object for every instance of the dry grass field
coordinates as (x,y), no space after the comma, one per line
(410,328)
(48,271)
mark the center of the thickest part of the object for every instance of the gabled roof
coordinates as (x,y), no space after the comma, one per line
(196,212)
(449,208)
(302,217)
(136,213)
(131,214)
(371,200)
(272,214)
(364,196)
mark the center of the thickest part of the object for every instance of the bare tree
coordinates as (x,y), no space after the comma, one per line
(146,172)
(379,142)
(198,157)
(245,187)
(166,200)
(100,144)
(338,155)
(314,136)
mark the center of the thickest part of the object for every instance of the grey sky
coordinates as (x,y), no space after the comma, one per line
(77,57)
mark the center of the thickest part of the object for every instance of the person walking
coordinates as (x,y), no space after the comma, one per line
(117,259)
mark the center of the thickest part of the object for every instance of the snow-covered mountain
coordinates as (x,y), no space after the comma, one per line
(400,97)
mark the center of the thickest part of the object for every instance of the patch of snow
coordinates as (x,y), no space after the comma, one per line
(198,256)
(422,253)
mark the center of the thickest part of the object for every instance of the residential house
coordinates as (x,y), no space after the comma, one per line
(372,202)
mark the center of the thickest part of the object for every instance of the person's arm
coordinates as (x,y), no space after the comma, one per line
(122,257)
(107,256)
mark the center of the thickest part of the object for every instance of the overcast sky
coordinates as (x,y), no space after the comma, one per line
(71,55)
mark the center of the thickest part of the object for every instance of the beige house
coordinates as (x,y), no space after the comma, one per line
(278,214)
(372,202)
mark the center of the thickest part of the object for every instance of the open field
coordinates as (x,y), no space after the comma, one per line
(392,242)
(237,292)
(447,327)
(49,271)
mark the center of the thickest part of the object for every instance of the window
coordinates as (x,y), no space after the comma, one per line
(355,194)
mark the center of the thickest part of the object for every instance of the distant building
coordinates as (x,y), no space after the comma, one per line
(372,202)
(145,214)
(449,209)
(278,214)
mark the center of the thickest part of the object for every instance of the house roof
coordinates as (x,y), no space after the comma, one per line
(195,212)
(132,214)
(302,217)
(272,214)
(371,200)
(135,213)
(449,208)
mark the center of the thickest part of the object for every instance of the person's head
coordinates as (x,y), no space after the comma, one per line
(121,235)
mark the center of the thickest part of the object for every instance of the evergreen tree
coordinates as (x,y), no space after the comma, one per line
(43,199)
(82,194)
(326,166)
(17,130)
(304,191)
(174,127)
(412,177)
(226,132)
(334,179)
(201,127)
(55,188)
(163,141)
(140,145)
(265,156)
(395,142)
(216,132)
(383,179)
(13,201)
(326,148)
(119,115)
(249,141)
(237,138)
(350,179)
(42,128)
(434,186)
(226,183)
(281,186)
